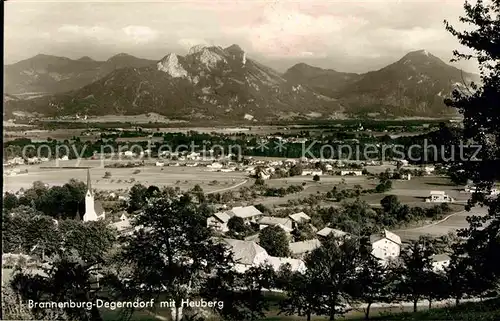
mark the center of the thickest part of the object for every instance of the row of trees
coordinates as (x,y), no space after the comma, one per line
(60,202)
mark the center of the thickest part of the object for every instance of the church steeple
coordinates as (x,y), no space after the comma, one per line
(89,184)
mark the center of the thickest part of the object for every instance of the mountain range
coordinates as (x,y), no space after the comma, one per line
(51,74)
(216,83)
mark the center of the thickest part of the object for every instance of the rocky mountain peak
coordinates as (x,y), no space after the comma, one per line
(170,65)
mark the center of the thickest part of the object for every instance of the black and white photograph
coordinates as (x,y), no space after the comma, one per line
(266,160)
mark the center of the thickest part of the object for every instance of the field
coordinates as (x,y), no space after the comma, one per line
(184,177)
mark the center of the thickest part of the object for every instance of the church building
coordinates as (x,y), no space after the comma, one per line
(93,209)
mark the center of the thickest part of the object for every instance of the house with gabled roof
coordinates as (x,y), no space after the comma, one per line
(249,214)
(327,231)
(247,254)
(385,245)
(299,218)
(283,222)
(278,262)
(302,248)
(440,262)
(218,222)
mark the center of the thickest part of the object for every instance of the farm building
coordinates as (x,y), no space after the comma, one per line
(385,245)
(300,249)
(327,231)
(429,169)
(218,222)
(249,254)
(351,172)
(299,218)
(311,173)
(283,222)
(440,262)
(439,197)
(248,213)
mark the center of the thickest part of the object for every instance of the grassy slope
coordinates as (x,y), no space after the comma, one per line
(478,311)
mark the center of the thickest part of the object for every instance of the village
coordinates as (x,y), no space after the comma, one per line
(386,244)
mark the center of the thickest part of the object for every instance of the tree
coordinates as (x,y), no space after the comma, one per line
(437,286)
(416,267)
(90,240)
(259,181)
(171,252)
(302,297)
(153,191)
(390,204)
(275,241)
(197,191)
(67,279)
(26,230)
(10,201)
(296,170)
(237,225)
(372,284)
(316,178)
(475,259)
(242,293)
(333,266)
(137,198)
(303,232)
(13,307)
(262,208)
(384,186)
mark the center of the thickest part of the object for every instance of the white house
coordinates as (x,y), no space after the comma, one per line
(351,172)
(264,175)
(312,173)
(440,262)
(193,156)
(385,245)
(439,197)
(218,222)
(473,189)
(247,213)
(16,161)
(406,177)
(93,209)
(429,169)
(403,162)
(214,166)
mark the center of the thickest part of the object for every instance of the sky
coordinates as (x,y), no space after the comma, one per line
(350,36)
